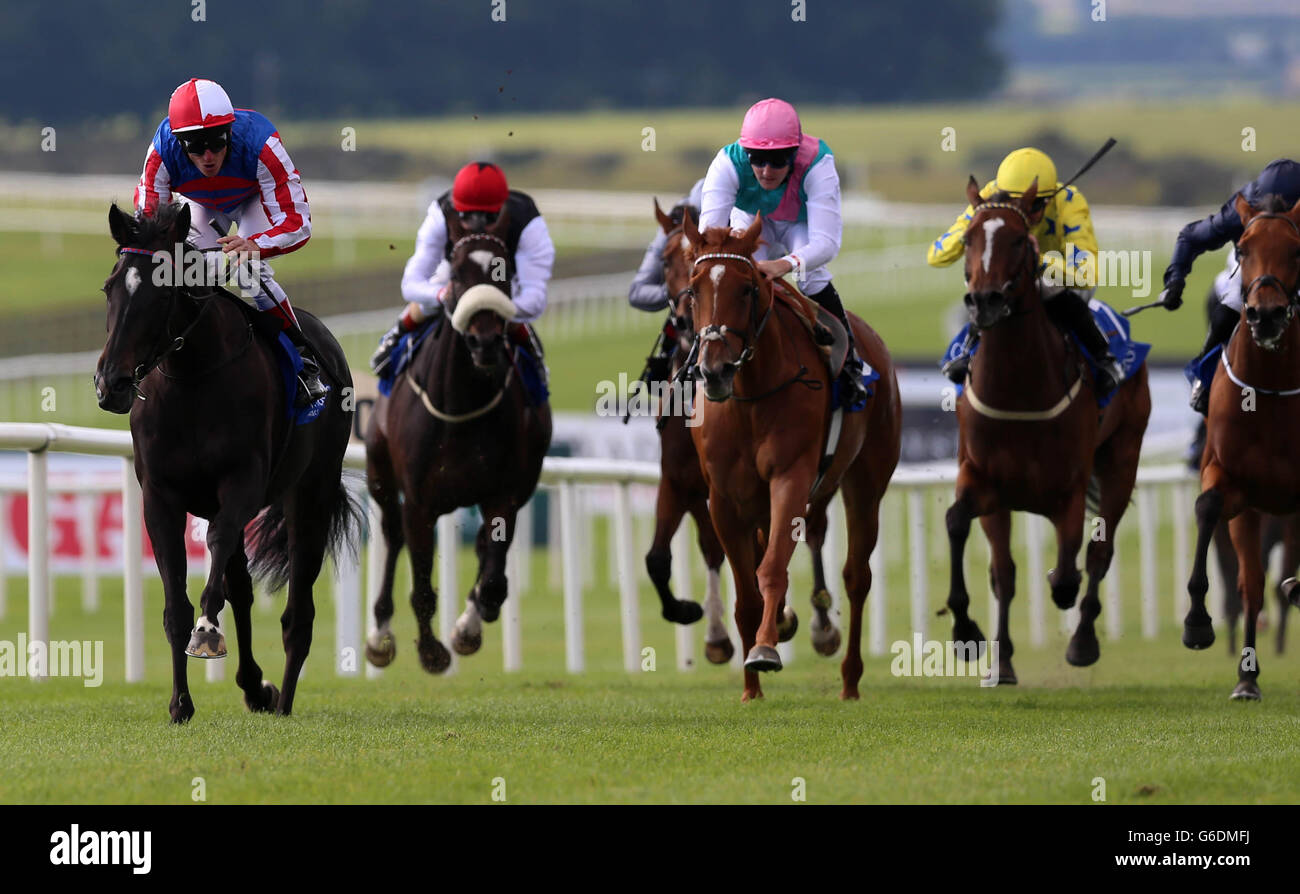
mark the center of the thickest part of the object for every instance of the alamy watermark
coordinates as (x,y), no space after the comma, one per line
(57,658)
(1085,269)
(937,658)
(641,398)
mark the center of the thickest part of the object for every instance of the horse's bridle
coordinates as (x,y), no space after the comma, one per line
(1030,262)
(679,321)
(470,237)
(1266,280)
(714,332)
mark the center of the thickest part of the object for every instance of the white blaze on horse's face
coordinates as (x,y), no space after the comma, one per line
(132,280)
(483,258)
(715,274)
(990,228)
(686,244)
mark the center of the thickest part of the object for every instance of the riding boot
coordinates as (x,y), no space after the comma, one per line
(1222,321)
(410,318)
(957,368)
(853,392)
(1069,309)
(310,388)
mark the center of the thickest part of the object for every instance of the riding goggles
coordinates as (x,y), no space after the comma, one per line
(771,158)
(203,140)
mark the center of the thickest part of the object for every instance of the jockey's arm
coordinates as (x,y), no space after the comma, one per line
(648,291)
(825,225)
(948,247)
(534,259)
(1076,258)
(718,195)
(1203,235)
(155,186)
(420,281)
(284,200)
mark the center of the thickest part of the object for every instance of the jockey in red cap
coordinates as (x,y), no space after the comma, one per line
(230,167)
(477,197)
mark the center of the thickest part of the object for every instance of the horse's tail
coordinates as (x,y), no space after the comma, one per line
(268,535)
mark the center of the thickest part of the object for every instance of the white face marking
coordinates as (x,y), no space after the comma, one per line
(481,257)
(132,280)
(715,273)
(686,244)
(990,227)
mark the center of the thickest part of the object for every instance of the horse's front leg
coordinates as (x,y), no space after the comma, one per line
(957,520)
(238,500)
(737,538)
(490,586)
(786,526)
(1198,631)
(1245,530)
(165,522)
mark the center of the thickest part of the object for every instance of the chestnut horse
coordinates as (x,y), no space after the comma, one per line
(760,440)
(1247,467)
(682,489)
(1030,435)
(457,430)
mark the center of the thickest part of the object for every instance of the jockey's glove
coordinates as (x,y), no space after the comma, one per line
(1172,296)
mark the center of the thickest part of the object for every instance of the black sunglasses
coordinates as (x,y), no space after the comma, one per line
(202,142)
(770,158)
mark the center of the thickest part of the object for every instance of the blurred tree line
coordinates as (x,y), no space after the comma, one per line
(90,59)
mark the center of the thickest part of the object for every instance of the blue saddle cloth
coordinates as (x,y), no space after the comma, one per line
(528,367)
(290,365)
(1203,369)
(1131,354)
(869,376)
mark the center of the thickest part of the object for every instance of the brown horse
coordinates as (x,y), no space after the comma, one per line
(457,430)
(1030,435)
(760,440)
(1247,467)
(682,489)
(1283,531)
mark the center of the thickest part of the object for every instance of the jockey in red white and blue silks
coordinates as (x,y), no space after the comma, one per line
(230,167)
(789,177)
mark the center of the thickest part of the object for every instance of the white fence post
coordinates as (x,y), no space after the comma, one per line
(216,667)
(919,568)
(627,579)
(347,615)
(877,599)
(375,560)
(574,659)
(132,573)
(89,541)
(512,658)
(1181,573)
(38,561)
(1147,521)
(1037,583)
(682,550)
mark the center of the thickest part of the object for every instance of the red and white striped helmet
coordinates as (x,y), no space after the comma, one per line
(197,104)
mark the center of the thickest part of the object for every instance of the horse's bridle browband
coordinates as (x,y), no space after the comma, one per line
(714,332)
(505,249)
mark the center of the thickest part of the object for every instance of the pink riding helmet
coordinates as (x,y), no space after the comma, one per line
(771,124)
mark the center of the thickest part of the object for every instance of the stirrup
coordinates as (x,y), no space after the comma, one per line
(955,370)
(1200,399)
(310,387)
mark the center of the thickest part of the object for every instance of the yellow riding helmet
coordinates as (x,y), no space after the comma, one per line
(1019,169)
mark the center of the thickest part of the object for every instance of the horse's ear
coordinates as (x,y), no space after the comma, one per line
(119,224)
(688,227)
(973,192)
(1294,213)
(181,226)
(1244,209)
(501,225)
(665,221)
(749,239)
(1027,200)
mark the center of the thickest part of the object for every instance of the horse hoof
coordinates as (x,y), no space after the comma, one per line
(466,643)
(788,626)
(719,652)
(1247,691)
(821,600)
(1198,636)
(270,699)
(970,633)
(182,710)
(682,611)
(750,694)
(1082,653)
(381,649)
(206,642)
(434,656)
(1005,676)
(847,694)
(1291,591)
(763,658)
(827,643)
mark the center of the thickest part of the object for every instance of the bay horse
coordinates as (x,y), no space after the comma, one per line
(760,440)
(1030,436)
(457,430)
(212,437)
(682,488)
(1247,467)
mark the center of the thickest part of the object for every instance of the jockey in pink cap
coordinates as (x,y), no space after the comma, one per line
(789,177)
(230,167)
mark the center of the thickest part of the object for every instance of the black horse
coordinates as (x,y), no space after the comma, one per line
(212,436)
(457,430)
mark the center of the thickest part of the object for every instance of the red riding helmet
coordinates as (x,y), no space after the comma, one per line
(479,186)
(199,104)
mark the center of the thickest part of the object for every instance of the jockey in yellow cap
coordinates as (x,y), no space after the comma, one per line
(1062,228)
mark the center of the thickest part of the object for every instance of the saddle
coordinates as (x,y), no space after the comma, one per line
(825,328)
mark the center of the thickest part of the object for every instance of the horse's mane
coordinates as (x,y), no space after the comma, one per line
(148,229)
(1271,202)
